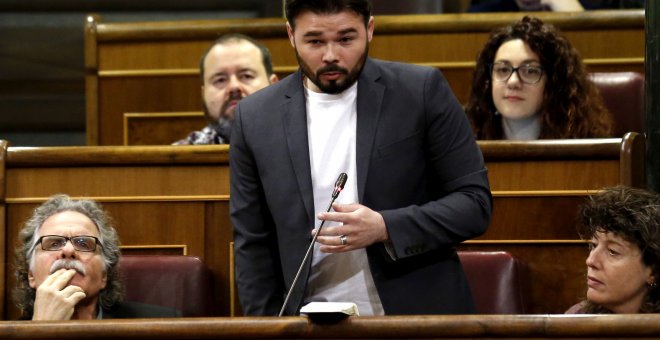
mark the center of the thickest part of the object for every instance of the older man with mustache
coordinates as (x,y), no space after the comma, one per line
(67,265)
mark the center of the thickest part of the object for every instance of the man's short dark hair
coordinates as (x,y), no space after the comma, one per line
(295,7)
(266,57)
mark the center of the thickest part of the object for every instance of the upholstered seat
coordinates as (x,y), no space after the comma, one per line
(498,281)
(181,282)
(623,95)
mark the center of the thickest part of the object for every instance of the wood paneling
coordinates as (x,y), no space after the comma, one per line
(179,196)
(153,67)
(3,227)
(160,128)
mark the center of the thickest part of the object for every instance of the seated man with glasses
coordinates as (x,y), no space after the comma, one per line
(529,83)
(67,265)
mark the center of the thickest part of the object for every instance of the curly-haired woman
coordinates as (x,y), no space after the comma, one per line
(622,226)
(530,83)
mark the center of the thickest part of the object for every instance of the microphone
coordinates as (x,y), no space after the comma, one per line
(339,186)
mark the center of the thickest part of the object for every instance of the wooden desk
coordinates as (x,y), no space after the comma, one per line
(175,199)
(637,326)
(153,66)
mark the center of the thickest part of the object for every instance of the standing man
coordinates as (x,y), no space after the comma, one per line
(417,185)
(233,68)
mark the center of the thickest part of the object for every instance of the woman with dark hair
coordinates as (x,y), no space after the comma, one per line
(530,83)
(623,227)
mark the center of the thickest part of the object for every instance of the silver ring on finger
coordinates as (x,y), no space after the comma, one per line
(343,239)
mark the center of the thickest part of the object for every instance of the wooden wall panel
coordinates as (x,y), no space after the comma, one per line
(160,128)
(178,195)
(153,67)
(122,182)
(552,174)
(510,222)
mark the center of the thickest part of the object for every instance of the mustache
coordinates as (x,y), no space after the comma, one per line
(68,264)
(331,68)
(233,96)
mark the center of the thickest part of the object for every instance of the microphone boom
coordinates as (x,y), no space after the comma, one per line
(339,186)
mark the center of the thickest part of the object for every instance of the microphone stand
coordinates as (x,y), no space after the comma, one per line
(339,185)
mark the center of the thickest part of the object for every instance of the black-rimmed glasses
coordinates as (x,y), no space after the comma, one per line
(527,73)
(79,243)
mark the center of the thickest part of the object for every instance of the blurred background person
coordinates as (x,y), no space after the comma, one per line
(623,227)
(234,67)
(530,83)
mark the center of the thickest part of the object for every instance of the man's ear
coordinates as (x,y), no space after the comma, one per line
(273,78)
(290,32)
(104,279)
(31,280)
(370,29)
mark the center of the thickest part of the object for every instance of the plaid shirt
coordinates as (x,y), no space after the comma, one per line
(208,135)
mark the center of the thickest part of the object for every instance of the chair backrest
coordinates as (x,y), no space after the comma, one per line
(181,282)
(498,281)
(623,95)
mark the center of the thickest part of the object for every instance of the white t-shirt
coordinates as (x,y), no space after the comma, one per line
(331,128)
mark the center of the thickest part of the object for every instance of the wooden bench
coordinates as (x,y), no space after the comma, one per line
(153,66)
(175,200)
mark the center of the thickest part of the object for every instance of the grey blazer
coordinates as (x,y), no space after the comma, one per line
(417,164)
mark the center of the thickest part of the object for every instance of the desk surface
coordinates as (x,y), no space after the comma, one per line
(637,326)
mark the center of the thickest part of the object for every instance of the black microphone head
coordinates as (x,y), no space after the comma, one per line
(339,184)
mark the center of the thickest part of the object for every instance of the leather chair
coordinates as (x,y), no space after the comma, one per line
(623,95)
(181,282)
(499,281)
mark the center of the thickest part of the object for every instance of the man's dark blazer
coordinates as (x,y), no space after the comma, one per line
(417,164)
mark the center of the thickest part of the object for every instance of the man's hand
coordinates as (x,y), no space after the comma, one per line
(55,298)
(361,228)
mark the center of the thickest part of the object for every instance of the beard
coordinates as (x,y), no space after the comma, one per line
(225,113)
(222,125)
(334,86)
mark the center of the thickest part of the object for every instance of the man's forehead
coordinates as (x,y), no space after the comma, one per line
(236,55)
(346,20)
(68,220)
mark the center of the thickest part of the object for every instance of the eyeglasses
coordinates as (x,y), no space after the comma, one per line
(79,243)
(528,74)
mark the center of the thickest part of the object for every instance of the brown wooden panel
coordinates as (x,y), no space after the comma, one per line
(160,128)
(538,220)
(119,181)
(218,236)
(3,225)
(553,175)
(142,94)
(152,67)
